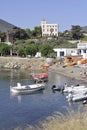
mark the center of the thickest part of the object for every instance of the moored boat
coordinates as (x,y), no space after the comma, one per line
(25,89)
(74,88)
(40,76)
(77,97)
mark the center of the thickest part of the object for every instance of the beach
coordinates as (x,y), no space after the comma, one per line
(31,64)
(74,72)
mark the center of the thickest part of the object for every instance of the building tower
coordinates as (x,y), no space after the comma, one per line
(49,29)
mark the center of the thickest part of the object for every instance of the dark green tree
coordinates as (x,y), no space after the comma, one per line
(21,51)
(4,49)
(76,32)
(32,49)
(20,34)
(3,36)
(46,50)
(37,32)
(29,32)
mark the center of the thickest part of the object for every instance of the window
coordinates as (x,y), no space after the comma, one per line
(79,51)
(61,53)
(84,51)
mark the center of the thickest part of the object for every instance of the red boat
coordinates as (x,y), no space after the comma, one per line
(40,76)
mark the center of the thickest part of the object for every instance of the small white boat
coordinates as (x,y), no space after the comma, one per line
(74,88)
(77,97)
(25,89)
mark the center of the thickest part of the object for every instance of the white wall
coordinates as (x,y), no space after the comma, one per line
(83,48)
(66,51)
(73,51)
(46,28)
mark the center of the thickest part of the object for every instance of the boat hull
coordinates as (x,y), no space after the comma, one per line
(27,89)
(40,76)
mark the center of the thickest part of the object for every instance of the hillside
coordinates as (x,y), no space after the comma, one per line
(4,25)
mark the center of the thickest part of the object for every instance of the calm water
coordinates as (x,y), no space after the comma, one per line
(30,109)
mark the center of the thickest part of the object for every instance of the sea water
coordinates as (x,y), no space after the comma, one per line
(22,110)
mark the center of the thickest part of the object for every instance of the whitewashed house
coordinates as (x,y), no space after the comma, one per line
(61,52)
(82,49)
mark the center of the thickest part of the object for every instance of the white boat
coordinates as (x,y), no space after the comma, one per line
(77,97)
(74,88)
(25,89)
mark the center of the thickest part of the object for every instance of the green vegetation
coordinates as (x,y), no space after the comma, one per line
(4,49)
(85,38)
(28,42)
(46,50)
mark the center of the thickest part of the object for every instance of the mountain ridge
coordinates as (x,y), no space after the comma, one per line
(5,26)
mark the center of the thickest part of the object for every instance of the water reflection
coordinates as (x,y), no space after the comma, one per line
(20,96)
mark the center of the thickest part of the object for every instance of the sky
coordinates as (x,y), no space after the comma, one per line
(29,13)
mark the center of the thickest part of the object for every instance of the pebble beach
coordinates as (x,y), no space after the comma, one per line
(74,72)
(29,64)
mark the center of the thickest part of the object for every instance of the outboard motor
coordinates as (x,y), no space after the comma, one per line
(54,86)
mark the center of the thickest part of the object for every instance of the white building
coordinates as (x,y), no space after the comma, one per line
(61,52)
(82,49)
(49,29)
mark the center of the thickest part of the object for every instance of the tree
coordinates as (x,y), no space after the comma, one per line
(29,32)
(32,49)
(3,36)
(46,50)
(67,35)
(20,34)
(37,32)
(4,49)
(76,32)
(22,51)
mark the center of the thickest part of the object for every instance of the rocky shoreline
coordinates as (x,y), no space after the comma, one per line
(21,63)
(30,64)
